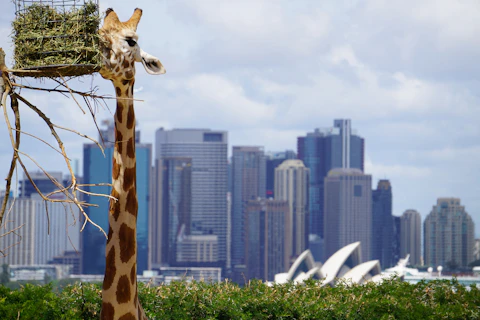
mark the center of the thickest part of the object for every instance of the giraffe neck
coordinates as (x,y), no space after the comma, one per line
(119,294)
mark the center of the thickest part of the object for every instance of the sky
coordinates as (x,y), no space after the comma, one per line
(268,71)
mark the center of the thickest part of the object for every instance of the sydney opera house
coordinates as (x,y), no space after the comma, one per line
(343,265)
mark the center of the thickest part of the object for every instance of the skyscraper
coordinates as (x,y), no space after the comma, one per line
(176,207)
(396,239)
(323,150)
(348,210)
(265,230)
(97,168)
(42,181)
(207,150)
(43,230)
(382,224)
(448,235)
(411,236)
(274,159)
(291,185)
(248,183)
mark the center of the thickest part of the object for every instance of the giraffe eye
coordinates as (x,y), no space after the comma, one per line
(131,42)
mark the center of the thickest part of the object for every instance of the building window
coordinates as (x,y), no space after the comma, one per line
(212,137)
(357,191)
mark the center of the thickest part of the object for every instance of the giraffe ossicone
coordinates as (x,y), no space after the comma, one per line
(120,51)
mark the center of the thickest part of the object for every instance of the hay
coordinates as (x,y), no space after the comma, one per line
(53,42)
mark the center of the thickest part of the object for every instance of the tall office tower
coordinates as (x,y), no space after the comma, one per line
(476,250)
(448,235)
(291,184)
(348,210)
(176,204)
(411,236)
(248,183)
(42,182)
(39,235)
(382,224)
(396,239)
(323,150)
(208,152)
(273,160)
(97,169)
(266,236)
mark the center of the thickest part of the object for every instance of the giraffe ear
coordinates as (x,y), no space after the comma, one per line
(152,64)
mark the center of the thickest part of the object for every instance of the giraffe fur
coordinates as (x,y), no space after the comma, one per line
(120,52)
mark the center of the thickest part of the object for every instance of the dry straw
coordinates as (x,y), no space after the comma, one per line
(56,40)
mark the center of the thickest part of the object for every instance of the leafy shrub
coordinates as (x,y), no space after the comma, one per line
(201,300)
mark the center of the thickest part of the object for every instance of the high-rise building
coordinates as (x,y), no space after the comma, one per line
(43,230)
(348,210)
(273,160)
(42,182)
(396,239)
(176,204)
(448,235)
(411,236)
(382,224)
(323,150)
(207,150)
(291,185)
(476,250)
(265,227)
(248,183)
(97,169)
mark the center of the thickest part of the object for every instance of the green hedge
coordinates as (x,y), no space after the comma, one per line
(201,300)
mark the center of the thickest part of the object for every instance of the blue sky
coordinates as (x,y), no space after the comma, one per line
(405,72)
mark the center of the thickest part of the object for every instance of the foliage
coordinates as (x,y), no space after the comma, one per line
(392,299)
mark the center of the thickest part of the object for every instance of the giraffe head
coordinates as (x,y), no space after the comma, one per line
(120,49)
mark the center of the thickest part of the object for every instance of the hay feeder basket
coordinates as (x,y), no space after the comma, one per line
(56,38)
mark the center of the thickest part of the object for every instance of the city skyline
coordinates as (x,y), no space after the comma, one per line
(405,74)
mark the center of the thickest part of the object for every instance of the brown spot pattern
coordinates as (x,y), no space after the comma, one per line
(125,82)
(133,274)
(126,64)
(128,316)
(132,202)
(130,116)
(129,74)
(136,297)
(119,140)
(110,234)
(129,177)
(110,269)
(119,112)
(127,243)
(118,91)
(108,311)
(123,290)
(131,148)
(115,205)
(116,169)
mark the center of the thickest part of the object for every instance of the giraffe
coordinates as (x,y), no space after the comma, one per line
(120,52)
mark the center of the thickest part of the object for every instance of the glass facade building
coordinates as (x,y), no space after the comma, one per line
(248,183)
(448,235)
(273,160)
(382,225)
(97,168)
(411,236)
(348,210)
(266,236)
(323,150)
(207,150)
(176,205)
